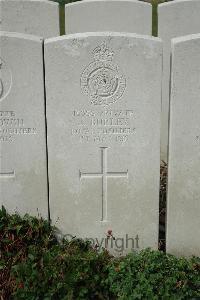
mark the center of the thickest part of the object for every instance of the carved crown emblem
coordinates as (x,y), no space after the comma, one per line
(102,80)
(103,53)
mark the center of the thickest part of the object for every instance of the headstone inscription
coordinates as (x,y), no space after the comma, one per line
(183,235)
(175,19)
(103,118)
(108,15)
(23,174)
(37,17)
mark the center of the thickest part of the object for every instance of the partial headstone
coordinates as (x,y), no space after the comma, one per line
(23,173)
(183,221)
(176,18)
(108,15)
(103,111)
(37,17)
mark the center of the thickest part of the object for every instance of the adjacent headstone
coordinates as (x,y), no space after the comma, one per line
(176,18)
(108,15)
(37,17)
(183,221)
(103,111)
(23,173)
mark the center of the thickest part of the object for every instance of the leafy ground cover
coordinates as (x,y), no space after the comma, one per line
(34,265)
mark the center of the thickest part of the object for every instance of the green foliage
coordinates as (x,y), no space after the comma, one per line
(17,236)
(34,265)
(155,275)
(70,271)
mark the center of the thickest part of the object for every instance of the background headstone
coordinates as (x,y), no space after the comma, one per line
(23,173)
(176,18)
(183,221)
(102,15)
(37,17)
(103,118)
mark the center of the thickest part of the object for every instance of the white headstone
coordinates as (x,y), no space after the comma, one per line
(108,15)
(37,17)
(176,18)
(23,174)
(103,110)
(183,219)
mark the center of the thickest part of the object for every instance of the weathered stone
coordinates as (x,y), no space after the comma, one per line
(176,18)
(103,111)
(100,15)
(183,222)
(23,173)
(37,17)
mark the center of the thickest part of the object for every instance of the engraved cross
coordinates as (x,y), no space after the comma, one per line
(1,82)
(104,174)
(7,175)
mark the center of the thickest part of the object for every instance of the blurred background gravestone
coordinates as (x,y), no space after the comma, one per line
(183,217)
(37,17)
(113,15)
(23,165)
(175,18)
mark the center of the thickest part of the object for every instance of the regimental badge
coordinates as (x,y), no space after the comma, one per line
(5,79)
(102,81)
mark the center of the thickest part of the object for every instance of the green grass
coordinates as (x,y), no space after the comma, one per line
(154,17)
(62,13)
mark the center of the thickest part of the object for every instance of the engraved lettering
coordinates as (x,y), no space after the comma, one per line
(11,126)
(103,125)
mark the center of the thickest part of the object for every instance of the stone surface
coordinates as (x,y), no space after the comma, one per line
(103,116)
(37,17)
(183,235)
(103,15)
(176,18)
(23,174)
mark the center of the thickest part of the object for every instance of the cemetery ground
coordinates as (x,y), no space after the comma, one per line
(35,265)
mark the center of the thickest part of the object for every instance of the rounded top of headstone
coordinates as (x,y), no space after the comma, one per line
(21,1)
(142,3)
(103,34)
(37,17)
(176,2)
(6,72)
(20,35)
(186,38)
